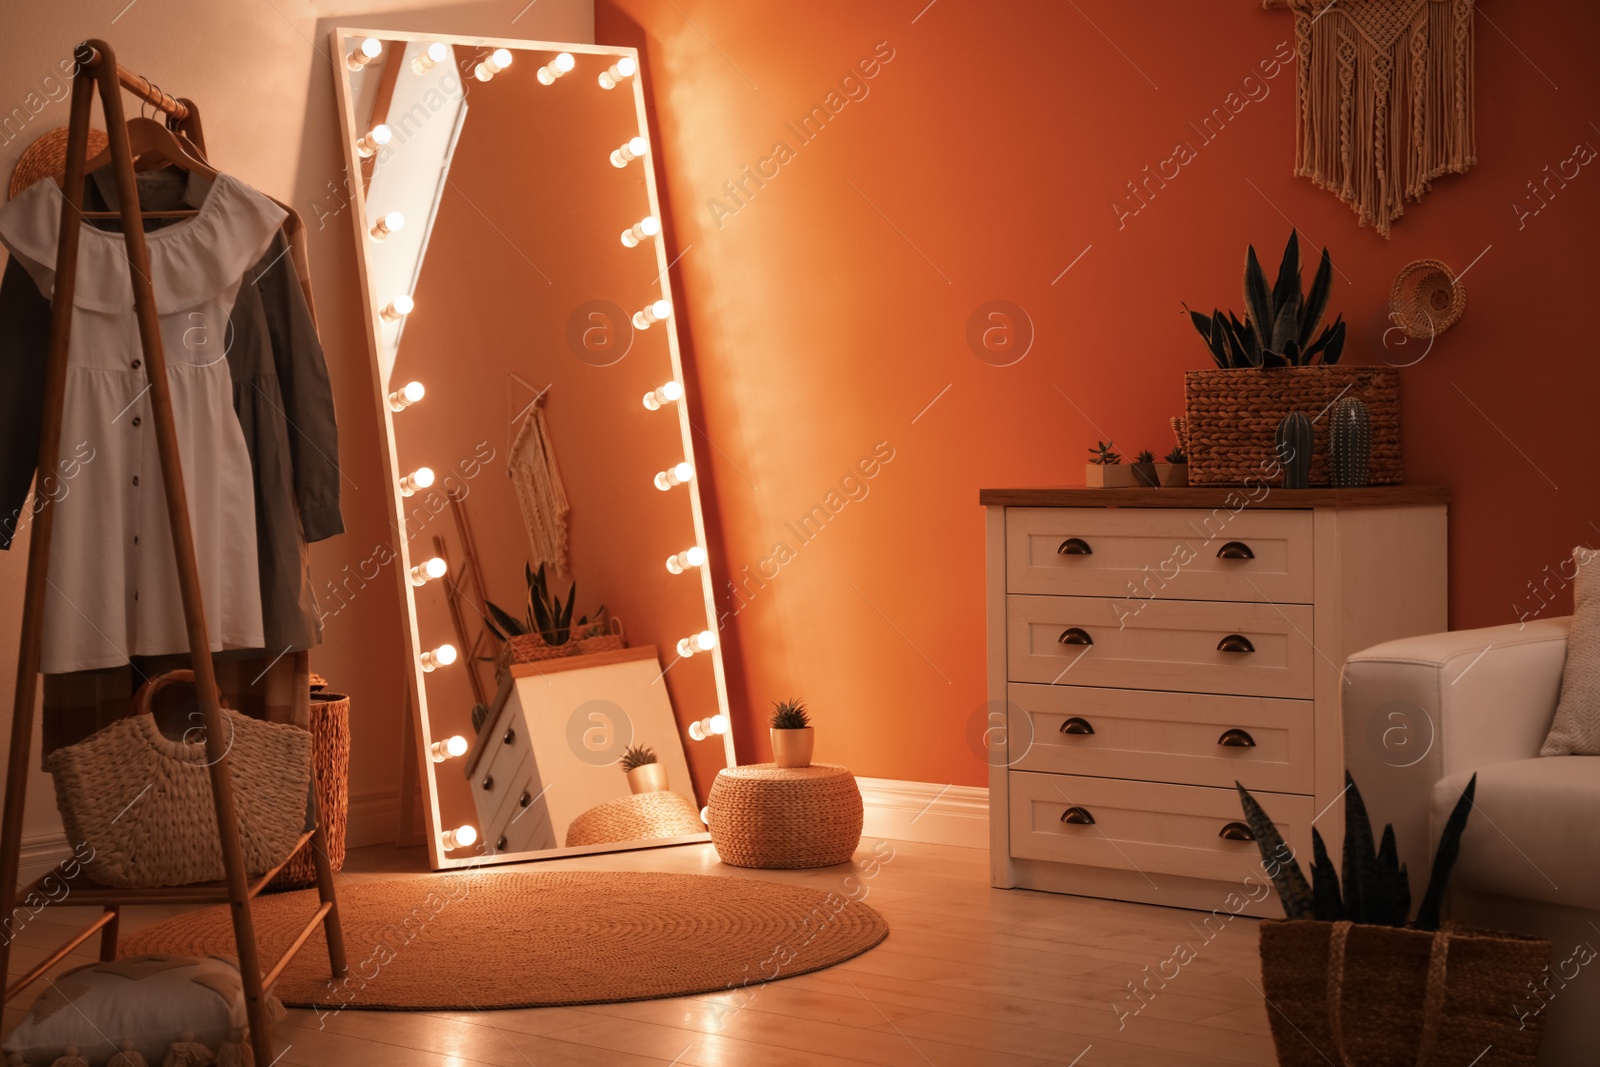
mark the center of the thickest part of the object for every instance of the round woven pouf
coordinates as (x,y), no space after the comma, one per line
(635,818)
(768,816)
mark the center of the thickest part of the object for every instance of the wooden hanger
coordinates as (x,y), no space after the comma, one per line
(153,146)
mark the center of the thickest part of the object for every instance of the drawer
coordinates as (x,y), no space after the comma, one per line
(1178,645)
(1182,738)
(496,792)
(1145,827)
(509,747)
(1160,553)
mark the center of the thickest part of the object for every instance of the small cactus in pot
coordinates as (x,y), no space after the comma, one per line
(645,775)
(1349,443)
(792,737)
(1294,450)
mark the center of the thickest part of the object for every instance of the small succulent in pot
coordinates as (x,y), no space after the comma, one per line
(1144,469)
(1105,469)
(792,737)
(645,774)
(1173,471)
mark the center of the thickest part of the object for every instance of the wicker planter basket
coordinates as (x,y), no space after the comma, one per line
(330,756)
(1233,415)
(531,648)
(1378,996)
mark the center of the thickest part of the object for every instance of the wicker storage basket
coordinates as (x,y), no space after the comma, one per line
(774,817)
(330,754)
(637,817)
(531,648)
(1378,996)
(1233,415)
(142,802)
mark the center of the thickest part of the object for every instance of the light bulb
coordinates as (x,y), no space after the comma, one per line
(656,312)
(555,68)
(674,476)
(448,749)
(666,394)
(368,50)
(498,60)
(375,138)
(648,226)
(423,573)
(705,815)
(406,395)
(636,147)
(387,225)
(437,53)
(622,68)
(399,308)
(699,731)
(689,557)
(442,656)
(418,479)
(460,837)
(704,641)
(719,724)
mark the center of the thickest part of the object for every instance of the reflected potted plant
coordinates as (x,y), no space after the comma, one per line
(645,775)
(792,736)
(546,629)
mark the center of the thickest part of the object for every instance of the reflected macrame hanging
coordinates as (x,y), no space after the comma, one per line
(537,480)
(1383,99)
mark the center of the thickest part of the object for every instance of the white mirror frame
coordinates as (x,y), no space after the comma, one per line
(422,736)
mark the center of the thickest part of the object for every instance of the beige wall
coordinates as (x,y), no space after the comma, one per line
(260,72)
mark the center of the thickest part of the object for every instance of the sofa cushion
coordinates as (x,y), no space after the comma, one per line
(1532,832)
(1576,730)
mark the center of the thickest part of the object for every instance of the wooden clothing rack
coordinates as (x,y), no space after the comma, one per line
(98,69)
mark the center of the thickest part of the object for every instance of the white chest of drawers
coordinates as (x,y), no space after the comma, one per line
(1149,647)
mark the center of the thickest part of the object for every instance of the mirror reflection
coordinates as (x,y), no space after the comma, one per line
(568,682)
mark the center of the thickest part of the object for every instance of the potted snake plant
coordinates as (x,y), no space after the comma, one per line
(792,737)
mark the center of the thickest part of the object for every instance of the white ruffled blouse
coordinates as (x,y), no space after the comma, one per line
(113,589)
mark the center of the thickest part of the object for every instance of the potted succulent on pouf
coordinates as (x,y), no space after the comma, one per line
(645,775)
(792,736)
(1105,470)
(1351,981)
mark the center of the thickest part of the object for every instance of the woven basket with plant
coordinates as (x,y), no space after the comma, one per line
(1273,363)
(547,630)
(1351,982)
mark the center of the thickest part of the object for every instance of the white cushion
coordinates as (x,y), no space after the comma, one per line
(1576,730)
(1532,832)
(145,1001)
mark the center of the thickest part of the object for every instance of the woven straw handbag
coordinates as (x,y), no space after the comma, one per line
(1357,995)
(142,801)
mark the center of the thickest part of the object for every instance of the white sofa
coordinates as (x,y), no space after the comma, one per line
(1420,716)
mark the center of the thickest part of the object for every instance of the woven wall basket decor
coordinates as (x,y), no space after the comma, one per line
(1233,415)
(1426,299)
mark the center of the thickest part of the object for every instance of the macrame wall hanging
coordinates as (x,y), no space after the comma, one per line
(537,480)
(1383,98)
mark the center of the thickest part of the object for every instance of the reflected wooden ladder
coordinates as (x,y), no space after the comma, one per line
(97,68)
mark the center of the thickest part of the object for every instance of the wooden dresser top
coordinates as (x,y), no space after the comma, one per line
(1220,496)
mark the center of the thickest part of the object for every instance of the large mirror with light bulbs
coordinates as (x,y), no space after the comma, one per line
(567,682)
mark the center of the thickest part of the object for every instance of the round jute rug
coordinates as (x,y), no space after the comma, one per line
(482,939)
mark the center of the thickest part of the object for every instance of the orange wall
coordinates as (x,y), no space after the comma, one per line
(826,312)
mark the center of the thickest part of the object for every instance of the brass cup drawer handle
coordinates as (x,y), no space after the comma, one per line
(1236,739)
(1076,725)
(525,799)
(1074,546)
(488,782)
(1074,635)
(510,737)
(1076,816)
(500,845)
(1236,831)
(1235,643)
(1235,550)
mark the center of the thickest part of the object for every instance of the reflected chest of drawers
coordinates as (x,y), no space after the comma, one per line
(1149,647)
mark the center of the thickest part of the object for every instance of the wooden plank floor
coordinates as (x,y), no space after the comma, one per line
(969,976)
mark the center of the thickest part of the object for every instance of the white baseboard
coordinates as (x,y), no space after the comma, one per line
(925,811)
(374,819)
(40,852)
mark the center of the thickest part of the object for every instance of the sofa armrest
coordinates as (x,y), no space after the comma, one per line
(1421,708)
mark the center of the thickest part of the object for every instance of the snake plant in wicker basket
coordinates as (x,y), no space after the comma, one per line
(1375,889)
(1280,324)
